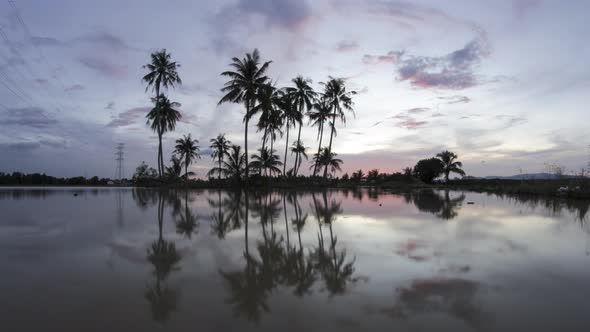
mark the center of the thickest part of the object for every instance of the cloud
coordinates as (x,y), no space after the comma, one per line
(110,105)
(128,117)
(75,87)
(34,117)
(41,81)
(287,14)
(347,46)
(522,7)
(455,99)
(412,124)
(27,146)
(103,66)
(46,41)
(417,110)
(109,41)
(454,71)
(390,57)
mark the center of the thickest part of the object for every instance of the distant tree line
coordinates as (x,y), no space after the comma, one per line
(38,179)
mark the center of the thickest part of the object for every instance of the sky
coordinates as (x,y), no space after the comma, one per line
(504,84)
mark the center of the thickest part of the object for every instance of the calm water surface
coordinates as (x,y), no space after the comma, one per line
(144,260)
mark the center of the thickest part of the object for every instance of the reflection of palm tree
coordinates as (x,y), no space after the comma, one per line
(247,293)
(332,265)
(444,207)
(188,224)
(164,257)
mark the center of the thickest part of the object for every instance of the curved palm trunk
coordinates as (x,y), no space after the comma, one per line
(246,140)
(286,148)
(219,171)
(315,168)
(296,165)
(331,138)
(160,158)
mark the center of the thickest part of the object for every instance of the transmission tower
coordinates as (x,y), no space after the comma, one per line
(119,174)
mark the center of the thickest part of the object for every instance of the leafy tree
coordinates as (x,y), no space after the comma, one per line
(235,166)
(428,169)
(373,175)
(357,176)
(290,118)
(302,96)
(143,171)
(188,150)
(450,164)
(321,114)
(299,149)
(247,77)
(175,169)
(328,161)
(266,161)
(163,118)
(161,73)
(219,147)
(339,99)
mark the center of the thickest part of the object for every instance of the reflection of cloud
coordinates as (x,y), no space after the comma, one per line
(454,297)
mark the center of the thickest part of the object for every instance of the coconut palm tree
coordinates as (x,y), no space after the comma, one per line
(219,147)
(188,150)
(339,100)
(327,160)
(302,96)
(247,77)
(173,171)
(266,97)
(235,166)
(162,118)
(161,73)
(450,164)
(266,161)
(291,116)
(299,149)
(320,114)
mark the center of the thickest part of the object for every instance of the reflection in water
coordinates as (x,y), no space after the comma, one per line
(428,200)
(271,257)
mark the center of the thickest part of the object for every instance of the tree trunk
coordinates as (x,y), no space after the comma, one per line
(286,223)
(219,170)
(295,167)
(246,226)
(315,168)
(286,148)
(246,139)
(331,137)
(160,160)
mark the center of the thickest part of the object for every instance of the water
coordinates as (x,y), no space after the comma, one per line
(88,259)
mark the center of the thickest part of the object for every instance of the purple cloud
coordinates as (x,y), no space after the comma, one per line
(522,7)
(75,87)
(390,57)
(102,66)
(129,117)
(456,99)
(412,124)
(454,71)
(34,117)
(347,46)
(417,110)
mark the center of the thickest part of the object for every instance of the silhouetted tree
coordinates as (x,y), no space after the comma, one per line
(302,96)
(428,169)
(188,150)
(450,164)
(242,87)
(163,118)
(161,73)
(219,149)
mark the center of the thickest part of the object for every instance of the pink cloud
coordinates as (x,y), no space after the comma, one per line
(390,57)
